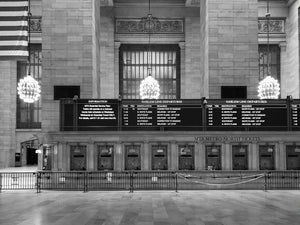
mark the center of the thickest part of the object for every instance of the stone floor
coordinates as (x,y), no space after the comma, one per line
(150,208)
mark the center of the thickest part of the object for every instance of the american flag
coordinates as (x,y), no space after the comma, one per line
(13,29)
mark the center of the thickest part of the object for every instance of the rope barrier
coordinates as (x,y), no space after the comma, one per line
(227,178)
(218,184)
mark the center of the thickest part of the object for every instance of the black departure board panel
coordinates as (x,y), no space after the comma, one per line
(295,114)
(97,114)
(162,115)
(180,115)
(246,115)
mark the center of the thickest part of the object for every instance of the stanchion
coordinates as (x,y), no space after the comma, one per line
(176,182)
(0,182)
(131,182)
(38,182)
(265,184)
(85,186)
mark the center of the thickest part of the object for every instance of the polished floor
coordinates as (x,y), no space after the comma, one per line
(150,208)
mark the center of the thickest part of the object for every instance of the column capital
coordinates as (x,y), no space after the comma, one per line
(282,46)
(181,45)
(117,44)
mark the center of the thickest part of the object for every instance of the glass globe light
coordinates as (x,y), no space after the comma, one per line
(29,89)
(268,88)
(149,88)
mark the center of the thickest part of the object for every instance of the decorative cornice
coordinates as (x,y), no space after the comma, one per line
(192,3)
(133,26)
(36,24)
(106,3)
(276,26)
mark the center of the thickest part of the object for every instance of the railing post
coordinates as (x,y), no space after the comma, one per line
(176,182)
(38,182)
(131,182)
(85,186)
(0,182)
(265,184)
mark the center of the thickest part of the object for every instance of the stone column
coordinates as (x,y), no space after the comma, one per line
(65,157)
(283,70)
(182,68)
(55,157)
(96,47)
(119,156)
(144,156)
(90,157)
(116,68)
(227,161)
(280,156)
(200,156)
(173,156)
(225,156)
(253,156)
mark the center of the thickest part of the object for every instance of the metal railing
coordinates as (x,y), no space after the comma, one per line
(150,180)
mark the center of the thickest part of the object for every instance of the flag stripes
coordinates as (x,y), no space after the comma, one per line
(13,29)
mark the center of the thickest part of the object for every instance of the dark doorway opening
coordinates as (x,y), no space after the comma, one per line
(31,157)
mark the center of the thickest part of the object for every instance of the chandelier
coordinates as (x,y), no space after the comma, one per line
(269,87)
(149,87)
(28,88)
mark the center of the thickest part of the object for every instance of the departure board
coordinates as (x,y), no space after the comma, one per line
(246,115)
(97,114)
(162,115)
(295,114)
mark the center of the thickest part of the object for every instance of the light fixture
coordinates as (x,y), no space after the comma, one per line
(149,87)
(269,87)
(29,89)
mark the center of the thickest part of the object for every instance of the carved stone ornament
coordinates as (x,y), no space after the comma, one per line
(165,26)
(36,24)
(276,26)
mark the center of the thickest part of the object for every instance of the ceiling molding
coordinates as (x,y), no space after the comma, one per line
(106,3)
(192,3)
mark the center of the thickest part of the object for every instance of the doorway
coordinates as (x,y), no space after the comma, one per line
(31,157)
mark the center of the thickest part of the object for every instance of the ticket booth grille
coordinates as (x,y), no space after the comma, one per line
(213,157)
(239,157)
(159,157)
(293,157)
(186,157)
(266,157)
(78,157)
(105,157)
(132,157)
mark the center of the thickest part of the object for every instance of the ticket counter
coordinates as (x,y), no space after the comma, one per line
(159,157)
(266,157)
(186,157)
(213,157)
(239,157)
(105,157)
(292,157)
(78,157)
(132,157)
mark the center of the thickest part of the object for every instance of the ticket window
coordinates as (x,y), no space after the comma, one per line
(46,157)
(292,157)
(239,157)
(186,157)
(78,157)
(266,157)
(105,157)
(213,157)
(159,157)
(132,157)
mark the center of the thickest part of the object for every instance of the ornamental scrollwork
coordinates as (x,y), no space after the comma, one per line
(35,24)
(276,26)
(167,26)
